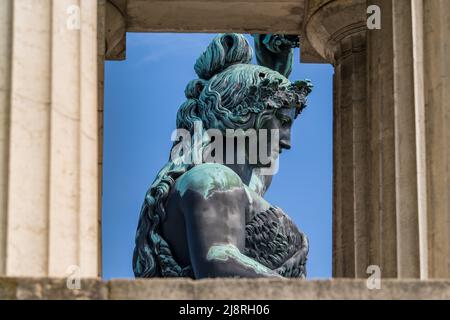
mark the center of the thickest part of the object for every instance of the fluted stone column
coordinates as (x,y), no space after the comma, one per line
(49,180)
(436,59)
(5,89)
(415,45)
(380,103)
(409,140)
(391,104)
(391,159)
(116,28)
(398,202)
(337,30)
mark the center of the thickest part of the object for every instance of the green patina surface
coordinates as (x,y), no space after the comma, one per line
(208,178)
(223,252)
(229,93)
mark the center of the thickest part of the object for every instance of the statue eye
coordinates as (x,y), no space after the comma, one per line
(285,121)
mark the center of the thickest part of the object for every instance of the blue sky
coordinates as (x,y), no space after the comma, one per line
(142,96)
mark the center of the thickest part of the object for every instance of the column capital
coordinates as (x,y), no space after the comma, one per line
(328,23)
(115,29)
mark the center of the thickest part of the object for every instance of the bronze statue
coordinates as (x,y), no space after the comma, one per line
(208,218)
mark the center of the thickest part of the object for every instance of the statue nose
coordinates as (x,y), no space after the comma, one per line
(285,144)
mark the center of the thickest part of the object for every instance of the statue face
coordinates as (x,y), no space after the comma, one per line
(281,122)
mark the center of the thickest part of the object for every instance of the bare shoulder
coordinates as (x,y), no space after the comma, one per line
(208,178)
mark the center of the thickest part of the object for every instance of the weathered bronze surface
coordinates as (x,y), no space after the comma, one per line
(208,218)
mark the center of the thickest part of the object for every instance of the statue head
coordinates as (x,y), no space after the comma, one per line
(232,93)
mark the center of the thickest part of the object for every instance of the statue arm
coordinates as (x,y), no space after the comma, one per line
(214,214)
(276,51)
